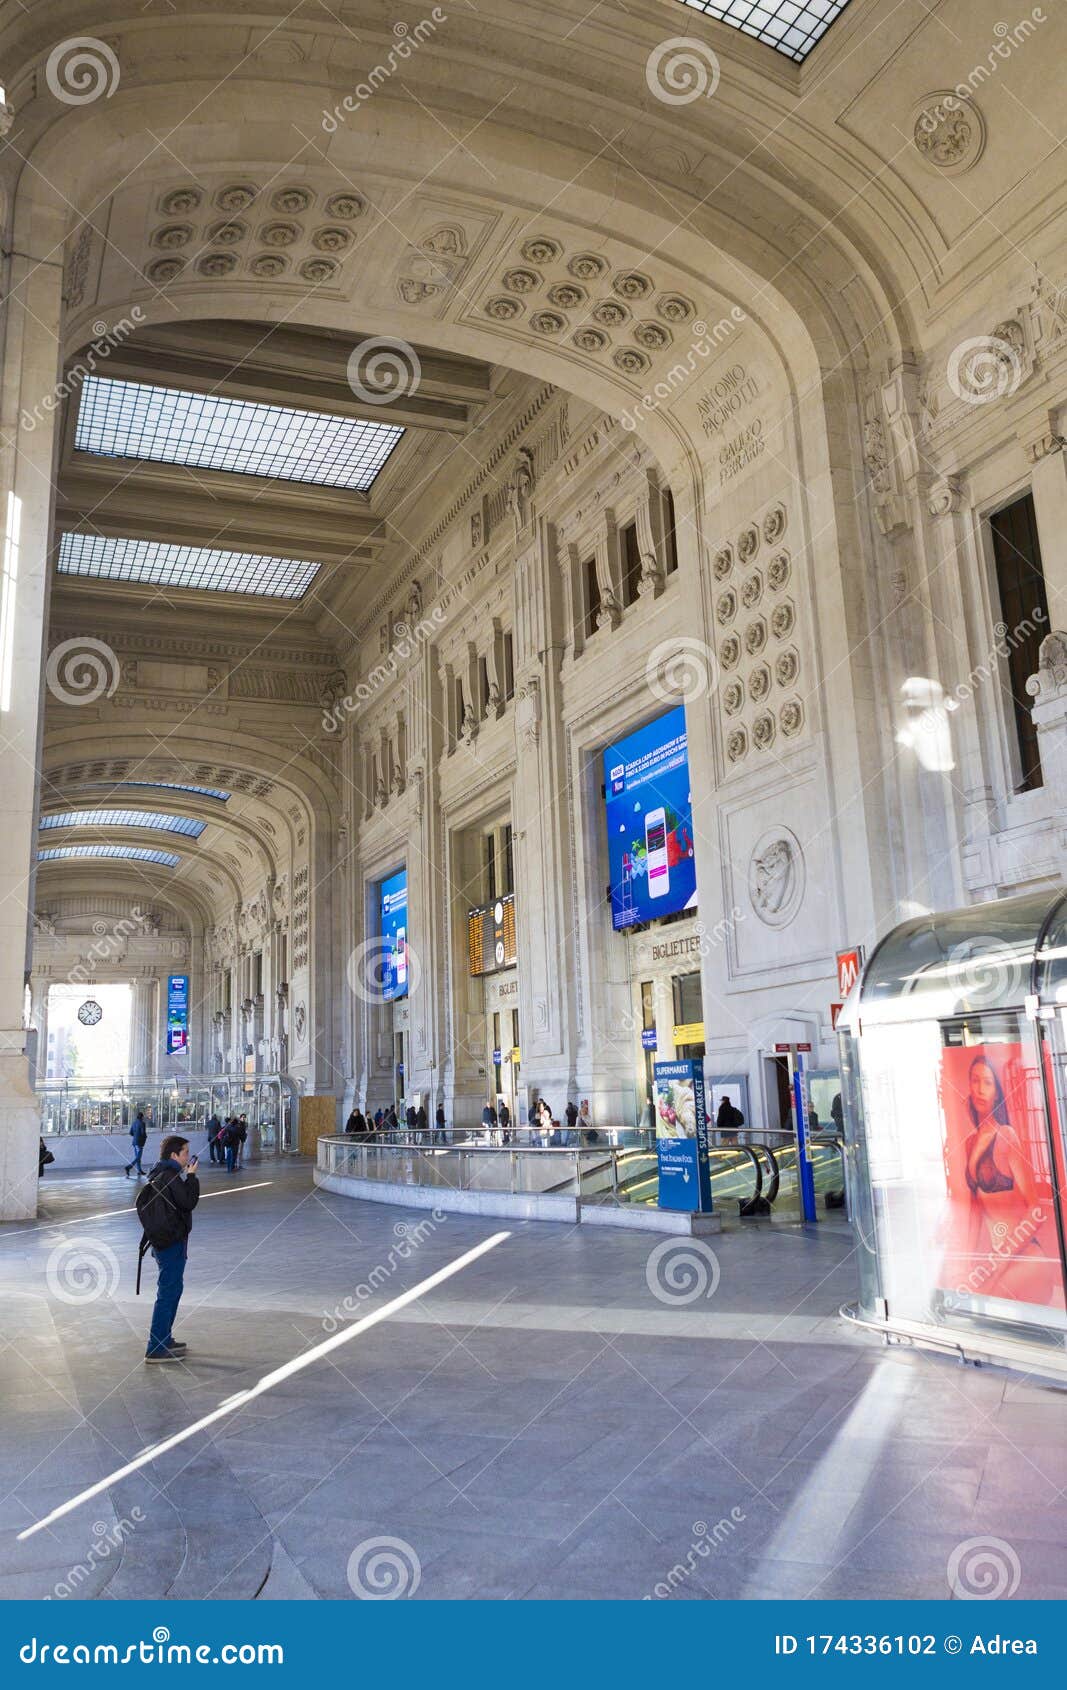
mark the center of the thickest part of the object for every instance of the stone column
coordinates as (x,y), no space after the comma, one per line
(142,1058)
(542,824)
(1045,449)
(1048,688)
(39,1022)
(28,404)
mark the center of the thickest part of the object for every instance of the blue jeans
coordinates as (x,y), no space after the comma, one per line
(138,1152)
(168,1294)
(231,1154)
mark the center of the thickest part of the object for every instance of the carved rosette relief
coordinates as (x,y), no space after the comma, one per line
(263,234)
(754,619)
(949,132)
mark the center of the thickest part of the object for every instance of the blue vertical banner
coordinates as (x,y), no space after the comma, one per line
(805,1171)
(393,928)
(177,1013)
(682,1137)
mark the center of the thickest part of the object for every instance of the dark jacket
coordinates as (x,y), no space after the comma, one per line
(572,1114)
(139,1131)
(180,1195)
(420,1119)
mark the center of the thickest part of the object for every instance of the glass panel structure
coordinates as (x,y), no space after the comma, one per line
(131,853)
(125,818)
(790,26)
(204,568)
(132,419)
(166,785)
(954,1084)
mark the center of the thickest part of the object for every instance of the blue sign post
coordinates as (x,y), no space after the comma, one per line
(800,1103)
(682,1137)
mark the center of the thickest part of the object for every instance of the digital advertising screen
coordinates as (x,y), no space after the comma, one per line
(393,928)
(650,822)
(177,1013)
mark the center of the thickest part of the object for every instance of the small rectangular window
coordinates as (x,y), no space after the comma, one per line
(461,707)
(509,668)
(483,685)
(1024,608)
(509,860)
(490,867)
(631,564)
(592,596)
(670,535)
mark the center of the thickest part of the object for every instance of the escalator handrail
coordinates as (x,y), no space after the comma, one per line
(776,1172)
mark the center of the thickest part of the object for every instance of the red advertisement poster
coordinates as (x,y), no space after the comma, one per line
(1001,1238)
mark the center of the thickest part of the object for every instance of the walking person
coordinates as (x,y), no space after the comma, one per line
(165,1207)
(439,1125)
(231,1139)
(503,1115)
(242,1135)
(139,1138)
(421,1124)
(214,1148)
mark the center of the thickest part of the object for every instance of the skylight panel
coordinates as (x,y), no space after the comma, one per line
(133,419)
(130,853)
(160,564)
(791,27)
(126,818)
(166,785)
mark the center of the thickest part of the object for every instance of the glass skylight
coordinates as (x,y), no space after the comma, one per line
(131,853)
(166,785)
(133,419)
(791,26)
(126,818)
(157,563)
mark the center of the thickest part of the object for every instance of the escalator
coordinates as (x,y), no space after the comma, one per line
(743,1174)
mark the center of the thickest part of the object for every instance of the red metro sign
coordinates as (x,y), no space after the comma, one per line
(848,970)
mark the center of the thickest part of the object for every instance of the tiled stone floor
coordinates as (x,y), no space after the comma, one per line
(541,1425)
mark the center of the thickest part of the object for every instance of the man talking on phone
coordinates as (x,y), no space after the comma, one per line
(165,1207)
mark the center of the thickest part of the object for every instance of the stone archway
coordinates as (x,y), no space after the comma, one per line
(377,234)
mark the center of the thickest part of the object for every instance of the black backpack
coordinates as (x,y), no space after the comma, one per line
(162,1223)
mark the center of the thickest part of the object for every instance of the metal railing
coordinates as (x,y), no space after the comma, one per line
(609,1174)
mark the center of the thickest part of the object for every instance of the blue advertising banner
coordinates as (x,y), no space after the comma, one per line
(648,1038)
(650,822)
(177,1013)
(393,927)
(682,1136)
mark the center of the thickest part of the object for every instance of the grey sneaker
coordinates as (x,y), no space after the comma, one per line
(164,1355)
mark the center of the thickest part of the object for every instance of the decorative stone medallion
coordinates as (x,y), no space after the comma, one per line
(776,876)
(949,132)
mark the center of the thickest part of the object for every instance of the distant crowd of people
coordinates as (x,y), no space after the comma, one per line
(543,1128)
